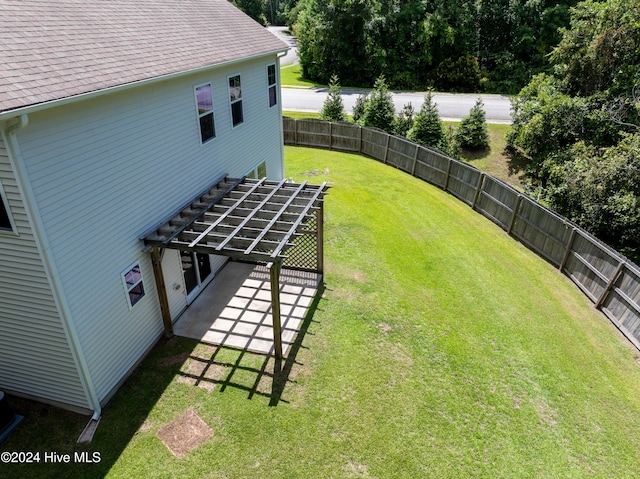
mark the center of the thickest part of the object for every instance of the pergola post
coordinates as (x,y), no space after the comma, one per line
(320,239)
(274,273)
(156,261)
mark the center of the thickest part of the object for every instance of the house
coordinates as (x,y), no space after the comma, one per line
(114,115)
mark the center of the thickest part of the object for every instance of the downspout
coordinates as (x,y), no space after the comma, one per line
(43,244)
(278,57)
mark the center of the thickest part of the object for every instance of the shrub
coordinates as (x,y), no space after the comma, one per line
(404,120)
(379,110)
(359,107)
(427,127)
(473,132)
(333,107)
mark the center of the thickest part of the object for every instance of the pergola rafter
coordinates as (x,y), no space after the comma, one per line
(248,220)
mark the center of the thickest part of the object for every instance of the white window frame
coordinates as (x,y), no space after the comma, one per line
(4,202)
(259,171)
(233,101)
(129,288)
(205,113)
(273,85)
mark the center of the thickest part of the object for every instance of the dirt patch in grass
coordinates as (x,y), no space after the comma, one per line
(184,433)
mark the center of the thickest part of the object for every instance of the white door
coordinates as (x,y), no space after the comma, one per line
(198,270)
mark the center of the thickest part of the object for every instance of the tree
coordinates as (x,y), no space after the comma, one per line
(472,132)
(333,107)
(404,120)
(379,111)
(254,8)
(334,38)
(599,189)
(358,108)
(427,128)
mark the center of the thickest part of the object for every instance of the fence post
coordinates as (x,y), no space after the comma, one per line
(478,190)
(359,138)
(612,281)
(295,132)
(512,222)
(386,149)
(331,135)
(415,161)
(567,252)
(446,179)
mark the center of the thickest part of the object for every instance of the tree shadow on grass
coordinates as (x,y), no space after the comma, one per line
(472,154)
(517,161)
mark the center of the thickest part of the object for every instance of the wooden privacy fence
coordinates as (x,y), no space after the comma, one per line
(606,277)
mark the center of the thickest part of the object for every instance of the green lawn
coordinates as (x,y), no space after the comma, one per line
(441,348)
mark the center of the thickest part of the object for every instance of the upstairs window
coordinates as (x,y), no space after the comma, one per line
(204,102)
(235,97)
(271,82)
(133,285)
(5,221)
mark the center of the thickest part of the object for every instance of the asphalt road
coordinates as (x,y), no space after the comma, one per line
(451,106)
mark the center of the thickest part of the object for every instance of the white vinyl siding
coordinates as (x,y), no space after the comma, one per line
(36,359)
(103,174)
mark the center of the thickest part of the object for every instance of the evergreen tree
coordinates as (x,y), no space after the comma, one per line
(404,120)
(333,107)
(427,128)
(379,110)
(473,132)
(358,108)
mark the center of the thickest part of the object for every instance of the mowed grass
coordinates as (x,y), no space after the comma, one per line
(441,348)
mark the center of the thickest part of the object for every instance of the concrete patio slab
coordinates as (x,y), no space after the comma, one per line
(234,310)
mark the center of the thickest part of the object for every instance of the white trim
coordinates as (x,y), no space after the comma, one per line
(127,288)
(274,85)
(199,115)
(237,100)
(5,202)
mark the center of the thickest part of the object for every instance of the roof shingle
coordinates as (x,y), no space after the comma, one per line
(54,49)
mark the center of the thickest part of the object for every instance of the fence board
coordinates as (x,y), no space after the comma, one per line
(542,230)
(497,201)
(463,181)
(591,265)
(313,133)
(345,137)
(432,167)
(401,154)
(622,306)
(374,143)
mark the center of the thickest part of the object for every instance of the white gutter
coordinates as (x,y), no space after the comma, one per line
(9,114)
(44,248)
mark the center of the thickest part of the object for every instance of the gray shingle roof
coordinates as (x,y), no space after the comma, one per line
(54,49)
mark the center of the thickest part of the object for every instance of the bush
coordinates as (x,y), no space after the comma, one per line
(333,107)
(404,120)
(379,110)
(427,128)
(359,107)
(473,132)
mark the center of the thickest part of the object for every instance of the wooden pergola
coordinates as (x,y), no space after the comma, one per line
(249,220)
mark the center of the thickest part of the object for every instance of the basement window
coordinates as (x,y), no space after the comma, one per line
(258,172)
(204,102)
(133,285)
